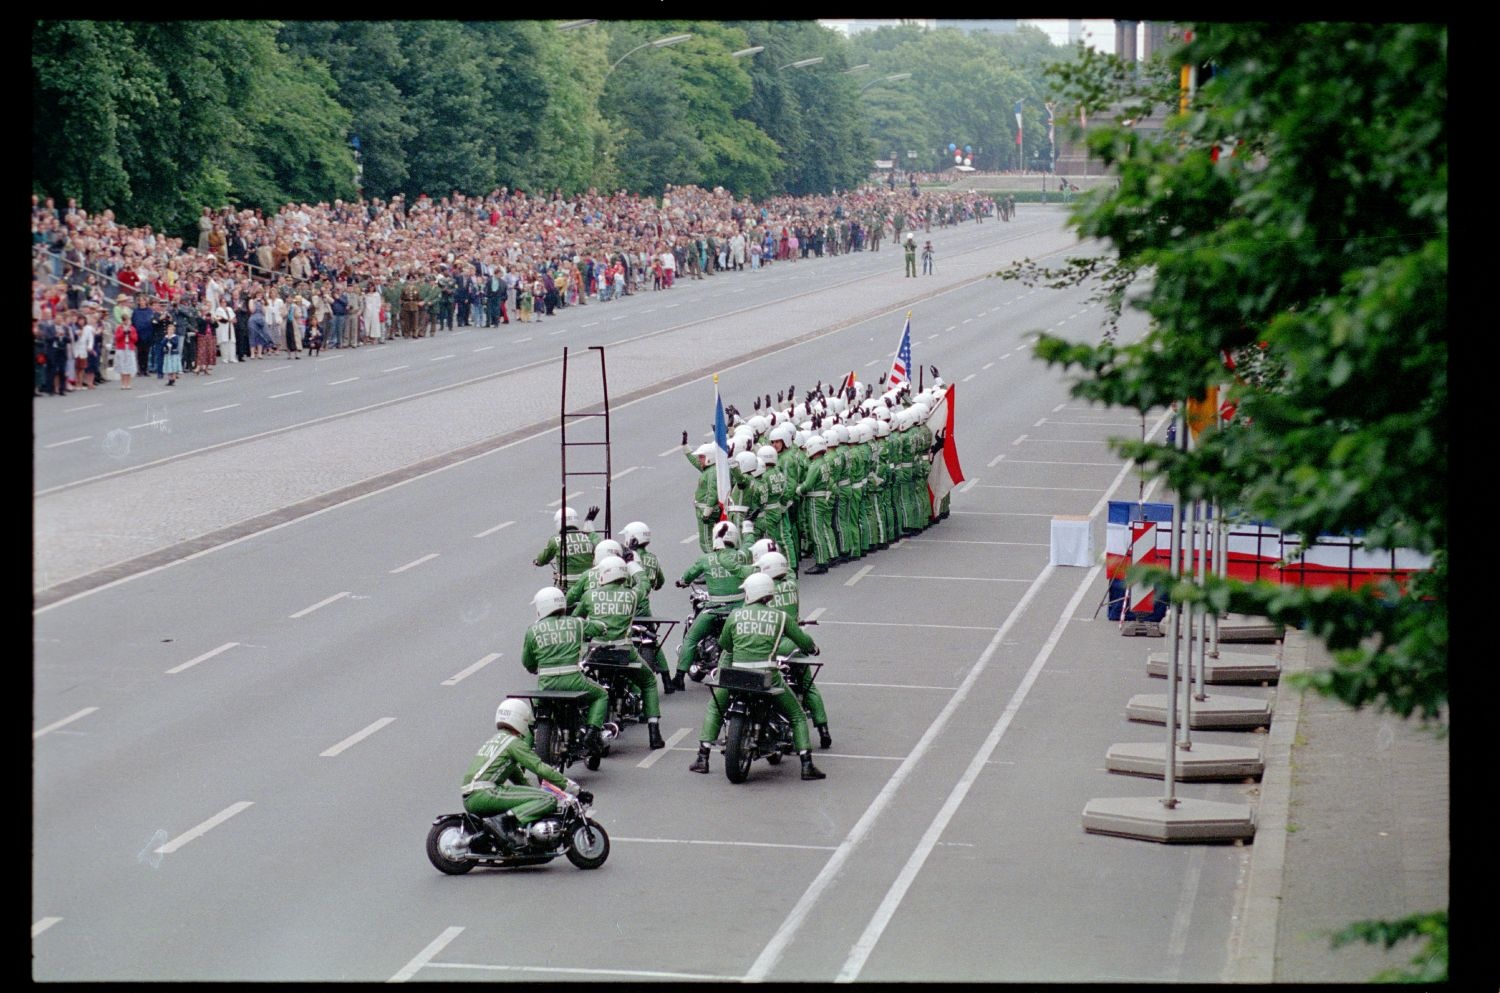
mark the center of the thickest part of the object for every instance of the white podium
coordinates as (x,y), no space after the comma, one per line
(1072,540)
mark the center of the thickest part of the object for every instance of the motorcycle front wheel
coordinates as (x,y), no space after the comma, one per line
(588,845)
(737,751)
(447,835)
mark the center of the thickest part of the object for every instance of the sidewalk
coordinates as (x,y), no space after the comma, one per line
(1352,825)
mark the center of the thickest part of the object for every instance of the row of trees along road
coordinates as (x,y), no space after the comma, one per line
(157,119)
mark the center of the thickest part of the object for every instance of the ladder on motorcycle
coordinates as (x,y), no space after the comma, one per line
(590,439)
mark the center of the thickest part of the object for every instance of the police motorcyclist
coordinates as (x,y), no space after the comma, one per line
(496,781)
(787,599)
(613,603)
(751,638)
(636,536)
(723,570)
(590,579)
(577,553)
(553,649)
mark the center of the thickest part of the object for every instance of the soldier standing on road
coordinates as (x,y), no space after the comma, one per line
(613,603)
(411,306)
(817,490)
(552,651)
(706,496)
(747,645)
(910,248)
(577,552)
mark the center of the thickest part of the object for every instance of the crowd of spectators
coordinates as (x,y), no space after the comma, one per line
(345,275)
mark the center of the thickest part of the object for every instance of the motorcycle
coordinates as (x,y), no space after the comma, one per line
(648,636)
(558,734)
(754,727)
(611,668)
(458,842)
(706,654)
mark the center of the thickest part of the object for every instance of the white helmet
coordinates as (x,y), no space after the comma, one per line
(767,455)
(549,600)
(704,451)
(838,404)
(783,432)
(748,463)
(816,445)
(566,514)
(606,548)
(761,547)
(514,713)
(636,534)
(773,564)
(611,570)
(882,428)
(843,432)
(800,438)
(830,436)
(725,533)
(882,413)
(760,424)
(758,586)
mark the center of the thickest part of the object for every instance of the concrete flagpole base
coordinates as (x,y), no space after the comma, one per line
(1201,762)
(1150,819)
(1244,628)
(1214,711)
(1229,667)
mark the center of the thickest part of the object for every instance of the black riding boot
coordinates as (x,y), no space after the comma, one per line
(825,740)
(700,764)
(510,829)
(677,681)
(668,687)
(653,729)
(593,741)
(809,771)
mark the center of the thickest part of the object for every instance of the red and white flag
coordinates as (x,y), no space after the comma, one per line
(945,472)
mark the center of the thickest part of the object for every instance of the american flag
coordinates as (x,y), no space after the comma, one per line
(901,365)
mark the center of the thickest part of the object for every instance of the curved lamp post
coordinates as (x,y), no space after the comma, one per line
(671,39)
(801,63)
(885,79)
(752,50)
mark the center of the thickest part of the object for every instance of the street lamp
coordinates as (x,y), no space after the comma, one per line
(671,39)
(885,79)
(753,50)
(861,66)
(801,63)
(570,25)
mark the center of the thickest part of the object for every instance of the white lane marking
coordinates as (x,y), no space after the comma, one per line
(887,909)
(589,324)
(891,686)
(1177,943)
(816,614)
(66,720)
(321,603)
(355,738)
(975,541)
(1040,423)
(650,760)
(1100,424)
(671,305)
(968,320)
(43,925)
(439,358)
(689,538)
(414,563)
(558,331)
(215,410)
(570,496)
(872,362)
(396,368)
(948,328)
(986,366)
(204,828)
(216,381)
(486,533)
(953,579)
(278,396)
(999,513)
(425,955)
(861,574)
(935,334)
(70,441)
(1006,356)
(1058,407)
(994,461)
(203,658)
(484,348)
(147,424)
(671,451)
(454,679)
(966,487)
(908,624)
(716,841)
(624,472)
(645,973)
(1101,465)
(1067,441)
(1018,440)
(522,340)
(87,406)
(619,318)
(1055,489)
(341,382)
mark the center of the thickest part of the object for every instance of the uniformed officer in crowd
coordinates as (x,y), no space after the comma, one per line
(613,603)
(552,650)
(576,554)
(723,570)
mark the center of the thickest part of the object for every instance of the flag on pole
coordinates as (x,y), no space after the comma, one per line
(1052,131)
(848,382)
(945,472)
(721,452)
(1018,122)
(901,364)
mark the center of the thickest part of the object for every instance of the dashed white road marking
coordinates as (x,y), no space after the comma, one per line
(1040,423)
(425,955)
(356,738)
(624,472)
(278,396)
(986,366)
(1019,440)
(456,677)
(967,486)
(955,579)
(968,377)
(215,410)
(1058,407)
(204,828)
(415,562)
(203,658)
(520,341)
(489,531)
(66,720)
(861,574)
(1101,465)
(719,841)
(871,362)
(321,603)
(341,382)
(43,925)
(483,348)
(570,496)
(439,358)
(70,410)
(995,461)
(650,760)
(816,614)
(689,538)
(70,441)
(396,368)
(671,451)
(570,970)
(886,686)
(589,324)
(948,328)
(1055,489)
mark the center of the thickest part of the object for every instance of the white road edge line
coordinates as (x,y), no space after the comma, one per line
(580,971)
(215,410)
(415,562)
(203,658)
(490,531)
(204,828)
(717,841)
(43,925)
(355,738)
(1019,440)
(425,955)
(650,760)
(66,720)
(453,680)
(671,451)
(887,909)
(321,603)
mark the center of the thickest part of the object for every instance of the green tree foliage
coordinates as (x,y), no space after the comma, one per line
(443,77)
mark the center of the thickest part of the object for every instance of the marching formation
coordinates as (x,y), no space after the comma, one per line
(826,478)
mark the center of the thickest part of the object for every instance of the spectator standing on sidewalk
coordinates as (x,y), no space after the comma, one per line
(927,259)
(125,352)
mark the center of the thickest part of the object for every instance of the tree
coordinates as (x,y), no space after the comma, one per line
(1295,219)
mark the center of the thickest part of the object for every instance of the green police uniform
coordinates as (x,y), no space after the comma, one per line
(705,502)
(816,489)
(788,600)
(496,780)
(751,639)
(552,650)
(577,556)
(614,605)
(723,572)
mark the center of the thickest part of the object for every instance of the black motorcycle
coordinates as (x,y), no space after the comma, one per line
(706,654)
(754,727)
(459,842)
(558,734)
(611,668)
(649,635)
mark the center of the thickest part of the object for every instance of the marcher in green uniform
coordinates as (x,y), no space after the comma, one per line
(790,462)
(744,495)
(552,651)
(751,639)
(577,552)
(706,495)
(788,600)
(856,468)
(817,489)
(496,781)
(884,469)
(775,495)
(723,570)
(613,603)
(838,473)
(909,246)
(637,536)
(921,461)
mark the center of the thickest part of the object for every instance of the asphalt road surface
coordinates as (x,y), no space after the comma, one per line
(238,752)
